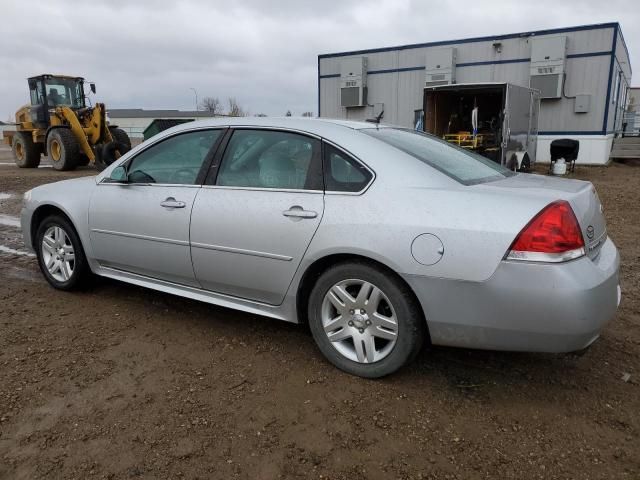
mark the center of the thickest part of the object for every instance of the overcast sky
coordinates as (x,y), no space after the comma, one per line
(149,53)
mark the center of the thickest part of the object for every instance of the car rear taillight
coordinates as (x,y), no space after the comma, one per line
(552,236)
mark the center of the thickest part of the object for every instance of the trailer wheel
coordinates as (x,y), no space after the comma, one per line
(525,166)
(63,149)
(25,152)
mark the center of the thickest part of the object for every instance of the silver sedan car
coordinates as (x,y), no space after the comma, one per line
(380,238)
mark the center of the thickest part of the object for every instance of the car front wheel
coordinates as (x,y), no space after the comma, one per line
(365,321)
(60,254)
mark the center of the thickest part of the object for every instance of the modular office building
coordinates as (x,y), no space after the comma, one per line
(583,75)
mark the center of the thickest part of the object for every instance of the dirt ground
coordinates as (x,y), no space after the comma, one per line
(121,382)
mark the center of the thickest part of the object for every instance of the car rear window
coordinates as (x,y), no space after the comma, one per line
(462,165)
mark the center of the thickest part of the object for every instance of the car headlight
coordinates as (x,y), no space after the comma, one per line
(27,196)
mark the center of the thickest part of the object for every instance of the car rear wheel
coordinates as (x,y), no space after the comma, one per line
(60,254)
(364,321)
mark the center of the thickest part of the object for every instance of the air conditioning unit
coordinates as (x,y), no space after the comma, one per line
(440,67)
(353,82)
(548,58)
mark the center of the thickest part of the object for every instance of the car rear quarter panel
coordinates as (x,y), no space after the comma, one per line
(475,227)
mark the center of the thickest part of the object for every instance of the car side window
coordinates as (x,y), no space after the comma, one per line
(342,173)
(271,159)
(176,160)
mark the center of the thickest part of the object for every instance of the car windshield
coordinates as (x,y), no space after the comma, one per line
(64,91)
(462,165)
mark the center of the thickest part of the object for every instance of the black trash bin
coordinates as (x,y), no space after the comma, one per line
(566,148)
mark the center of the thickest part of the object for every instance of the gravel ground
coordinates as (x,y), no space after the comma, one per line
(121,382)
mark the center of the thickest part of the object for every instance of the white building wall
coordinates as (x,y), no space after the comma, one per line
(135,126)
(396,78)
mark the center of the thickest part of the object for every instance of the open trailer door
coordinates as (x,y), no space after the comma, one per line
(520,127)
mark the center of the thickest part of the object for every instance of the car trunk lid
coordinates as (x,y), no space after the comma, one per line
(581,195)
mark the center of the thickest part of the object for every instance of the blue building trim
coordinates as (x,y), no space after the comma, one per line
(608,96)
(318,87)
(579,28)
(624,44)
(589,54)
(493,62)
(573,132)
(394,70)
(470,64)
(619,78)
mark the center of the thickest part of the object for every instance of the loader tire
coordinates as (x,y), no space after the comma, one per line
(63,149)
(110,152)
(83,160)
(25,152)
(120,136)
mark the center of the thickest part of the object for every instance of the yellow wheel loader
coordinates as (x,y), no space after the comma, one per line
(59,124)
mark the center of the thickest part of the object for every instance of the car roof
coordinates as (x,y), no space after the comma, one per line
(317,126)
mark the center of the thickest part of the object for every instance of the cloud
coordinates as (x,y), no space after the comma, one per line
(150,53)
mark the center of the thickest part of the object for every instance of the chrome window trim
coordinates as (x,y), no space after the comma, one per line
(276,129)
(261,189)
(105,181)
(357,159)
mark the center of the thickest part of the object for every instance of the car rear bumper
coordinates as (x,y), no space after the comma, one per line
(524,306)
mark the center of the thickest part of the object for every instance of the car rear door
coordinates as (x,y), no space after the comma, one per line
(142,225)
(253,222)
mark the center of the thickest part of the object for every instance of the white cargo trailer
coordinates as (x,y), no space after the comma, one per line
(498,120)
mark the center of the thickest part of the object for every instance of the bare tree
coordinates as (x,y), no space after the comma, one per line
(235,110)
(213,105)
(307,114)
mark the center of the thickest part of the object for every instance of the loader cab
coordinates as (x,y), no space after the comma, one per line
(50,91)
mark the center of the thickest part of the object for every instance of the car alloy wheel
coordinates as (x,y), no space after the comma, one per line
(359,321)
(58,254)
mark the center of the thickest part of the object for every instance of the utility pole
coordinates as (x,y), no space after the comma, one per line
(196,94)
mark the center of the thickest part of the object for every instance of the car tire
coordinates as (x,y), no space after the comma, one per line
(25,152)
(385,306)
(63,149)
(60,254)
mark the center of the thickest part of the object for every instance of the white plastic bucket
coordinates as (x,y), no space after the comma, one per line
(559,167)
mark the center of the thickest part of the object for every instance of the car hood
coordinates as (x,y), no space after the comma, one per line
(64,184)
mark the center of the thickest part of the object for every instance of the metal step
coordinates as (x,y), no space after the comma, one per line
(626,146)
(625,154)
(626,141)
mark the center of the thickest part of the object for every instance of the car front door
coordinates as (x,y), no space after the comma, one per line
(142,225)
(251,226)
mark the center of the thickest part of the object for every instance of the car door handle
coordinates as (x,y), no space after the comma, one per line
(298,212)
(171,202)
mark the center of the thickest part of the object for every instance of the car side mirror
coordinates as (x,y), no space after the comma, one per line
(119,175)
(92,86)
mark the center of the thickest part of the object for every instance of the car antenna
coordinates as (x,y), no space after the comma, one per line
(377,119)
